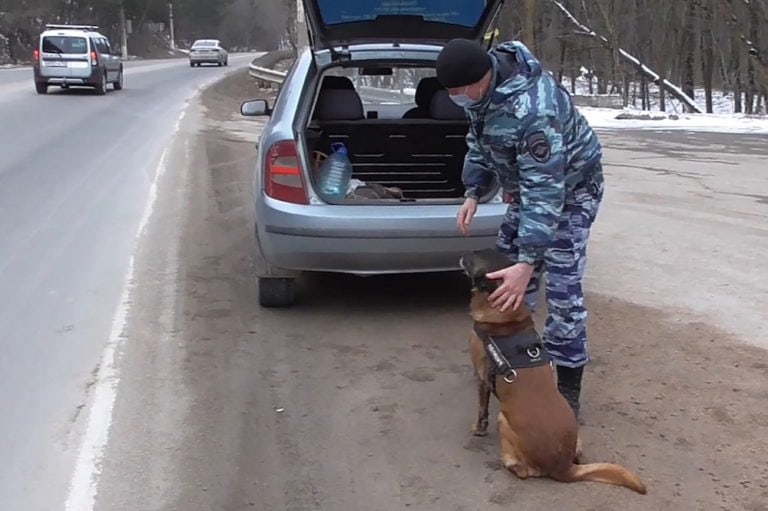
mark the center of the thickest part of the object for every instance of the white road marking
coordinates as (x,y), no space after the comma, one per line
(83,486)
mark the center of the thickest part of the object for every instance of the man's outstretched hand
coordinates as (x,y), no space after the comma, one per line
(466,215)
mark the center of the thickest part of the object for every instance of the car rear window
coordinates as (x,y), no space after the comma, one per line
(204,44)
(64,44)
(458,12)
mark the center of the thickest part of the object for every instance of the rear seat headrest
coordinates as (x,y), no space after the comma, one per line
(443,108)
(339,105)
(425,90)
(337,82)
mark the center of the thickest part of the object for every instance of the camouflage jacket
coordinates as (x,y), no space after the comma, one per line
(529,135)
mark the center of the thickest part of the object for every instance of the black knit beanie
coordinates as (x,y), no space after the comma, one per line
(462,62)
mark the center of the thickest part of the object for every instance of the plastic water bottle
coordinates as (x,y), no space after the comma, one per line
(335,173)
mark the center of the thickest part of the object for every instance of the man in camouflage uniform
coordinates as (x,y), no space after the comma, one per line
(525,131)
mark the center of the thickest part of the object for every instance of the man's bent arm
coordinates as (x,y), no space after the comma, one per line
(542,186)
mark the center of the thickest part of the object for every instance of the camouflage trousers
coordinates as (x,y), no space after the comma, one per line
(565,330)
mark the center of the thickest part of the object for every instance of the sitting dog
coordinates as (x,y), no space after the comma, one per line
(537,428)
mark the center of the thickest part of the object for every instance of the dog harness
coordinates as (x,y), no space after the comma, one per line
(507,353)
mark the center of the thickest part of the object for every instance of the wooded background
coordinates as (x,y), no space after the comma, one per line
(695,44)
(240,24)
(698,45)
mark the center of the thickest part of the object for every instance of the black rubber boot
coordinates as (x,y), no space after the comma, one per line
(569,385)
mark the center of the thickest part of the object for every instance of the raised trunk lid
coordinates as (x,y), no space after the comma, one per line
(334,23)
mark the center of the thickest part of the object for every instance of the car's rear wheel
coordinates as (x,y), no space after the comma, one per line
(221,63)
(277,291)
(41,88)
(191,64)
(118,85)
(101,87)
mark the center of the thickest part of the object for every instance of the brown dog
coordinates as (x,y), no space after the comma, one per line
(537,428)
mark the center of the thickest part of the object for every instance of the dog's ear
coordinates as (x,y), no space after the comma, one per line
(493,260)
(478,264)
(465,261)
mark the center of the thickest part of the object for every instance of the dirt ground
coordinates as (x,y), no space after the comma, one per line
(362,396)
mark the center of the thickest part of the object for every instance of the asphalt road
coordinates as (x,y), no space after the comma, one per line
(76,173)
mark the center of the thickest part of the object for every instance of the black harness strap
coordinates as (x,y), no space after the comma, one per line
(511,352)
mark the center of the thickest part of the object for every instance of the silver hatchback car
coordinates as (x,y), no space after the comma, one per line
(368,81)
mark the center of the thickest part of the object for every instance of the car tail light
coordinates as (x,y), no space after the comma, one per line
(506,198)
(283,179)
(94,58)
(36,55)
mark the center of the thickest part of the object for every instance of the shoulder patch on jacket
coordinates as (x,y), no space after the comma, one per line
(539,147)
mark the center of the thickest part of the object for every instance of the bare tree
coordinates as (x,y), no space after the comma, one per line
(637,64)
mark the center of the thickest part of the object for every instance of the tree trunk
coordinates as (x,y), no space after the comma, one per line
(754,58)
(707,57)
(574,75)
(602,76)
(661,65)
(563,56)
(625,91)
(529,32)
(689,48)
(736,71)
(290,25)
(645,94)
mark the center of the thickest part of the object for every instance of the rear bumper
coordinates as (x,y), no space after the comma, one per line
(206,59)
(91,78)
(369,240)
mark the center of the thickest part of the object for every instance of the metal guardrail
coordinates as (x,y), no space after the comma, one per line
(271,77)
(263,74)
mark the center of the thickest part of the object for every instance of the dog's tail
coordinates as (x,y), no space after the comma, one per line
(609,473)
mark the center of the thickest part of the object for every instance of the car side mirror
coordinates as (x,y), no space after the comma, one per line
(255,108)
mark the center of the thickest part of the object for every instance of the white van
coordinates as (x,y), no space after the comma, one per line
(76,55)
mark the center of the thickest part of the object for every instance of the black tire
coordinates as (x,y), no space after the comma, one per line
(191,64)
(277,291)
(41,88)
(118,85)
(221,63)
(101,87)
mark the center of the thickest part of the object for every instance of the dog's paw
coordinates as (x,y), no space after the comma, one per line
(480,429)
(578,456)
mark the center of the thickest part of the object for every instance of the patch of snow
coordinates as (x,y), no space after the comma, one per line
(718,123)
(722,102)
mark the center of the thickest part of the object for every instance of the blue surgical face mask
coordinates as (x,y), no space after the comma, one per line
(462,100)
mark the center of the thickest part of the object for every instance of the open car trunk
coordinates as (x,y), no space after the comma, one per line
(422,159)
(398,160)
